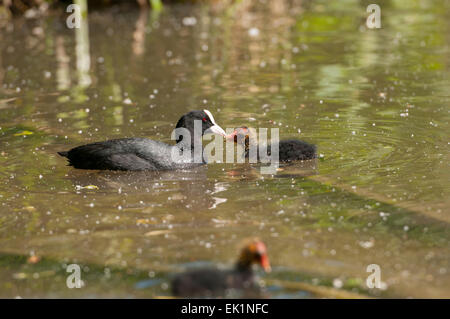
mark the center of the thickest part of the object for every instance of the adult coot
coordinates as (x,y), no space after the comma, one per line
(288,150)
(136,154)
(213,282)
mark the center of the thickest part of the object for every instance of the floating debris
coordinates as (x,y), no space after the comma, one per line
(367,244)
(189,21)
(145,221)
(24,133)
(157,232)
(253,32)
(79,187)
(20,276)
(33,259)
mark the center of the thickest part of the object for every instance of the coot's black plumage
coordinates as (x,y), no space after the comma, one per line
(136,154)
(212,282)
(288,150)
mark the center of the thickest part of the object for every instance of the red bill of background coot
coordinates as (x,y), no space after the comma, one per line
(213,282)
(137,154)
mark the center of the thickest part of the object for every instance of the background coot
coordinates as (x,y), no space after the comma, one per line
(212,282)
(135,154)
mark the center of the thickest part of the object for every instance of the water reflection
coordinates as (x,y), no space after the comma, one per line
(82,46)
(189,189)
(63,71)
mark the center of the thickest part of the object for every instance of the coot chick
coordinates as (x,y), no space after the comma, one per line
(288,150)
(213,282)
(137,154)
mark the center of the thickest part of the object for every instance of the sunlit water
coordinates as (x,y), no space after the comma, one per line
(375,102)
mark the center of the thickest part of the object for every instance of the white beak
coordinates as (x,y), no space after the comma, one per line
(215,129)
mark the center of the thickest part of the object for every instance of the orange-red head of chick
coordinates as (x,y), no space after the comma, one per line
(254,252)
(240,135)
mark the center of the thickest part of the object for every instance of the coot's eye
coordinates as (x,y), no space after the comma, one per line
(204,119)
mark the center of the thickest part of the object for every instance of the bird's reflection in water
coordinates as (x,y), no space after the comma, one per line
(285,170)
(192,188)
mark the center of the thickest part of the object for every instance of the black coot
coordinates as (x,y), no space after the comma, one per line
(137,154)
(212,282)
(289,150)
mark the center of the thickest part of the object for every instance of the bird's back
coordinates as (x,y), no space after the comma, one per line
(122,154)
(292,150)
(211,282)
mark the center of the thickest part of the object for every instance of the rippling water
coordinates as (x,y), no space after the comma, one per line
(375,102)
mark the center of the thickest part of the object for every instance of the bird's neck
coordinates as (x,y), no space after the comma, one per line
(255,145)
(190,146)
(187,139)
(244,266)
